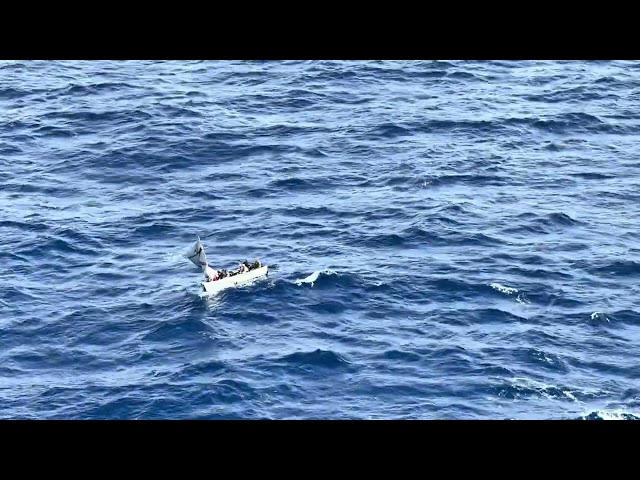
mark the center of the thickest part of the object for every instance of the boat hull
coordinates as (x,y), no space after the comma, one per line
(236,280)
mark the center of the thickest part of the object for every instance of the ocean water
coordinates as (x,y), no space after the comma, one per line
(448,239)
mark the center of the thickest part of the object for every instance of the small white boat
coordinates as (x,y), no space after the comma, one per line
(197,256)
(237,279)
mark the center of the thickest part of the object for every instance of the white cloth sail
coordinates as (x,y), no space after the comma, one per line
(197,255)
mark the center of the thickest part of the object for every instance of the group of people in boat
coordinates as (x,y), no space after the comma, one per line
(213,275)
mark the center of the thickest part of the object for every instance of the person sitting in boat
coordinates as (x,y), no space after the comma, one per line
(243,267)
(256,264)
(247,264)
(210,274)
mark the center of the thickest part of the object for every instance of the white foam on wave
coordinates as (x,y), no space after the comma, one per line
(545,390)
(176,256)
(612,415)
(503,289)
(314,277)
(599,316)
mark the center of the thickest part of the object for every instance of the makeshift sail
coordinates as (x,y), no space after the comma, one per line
(197,255)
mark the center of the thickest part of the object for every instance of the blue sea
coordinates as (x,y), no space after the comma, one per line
(447,239)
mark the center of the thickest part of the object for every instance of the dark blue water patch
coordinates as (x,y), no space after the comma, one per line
(573,95)
(456,238)
(386,213)
(416,237)
(8,150)
(626,317)
(389,131)
(435,69)
(453,360)
(152,230)
(59,394)
(225,177)
(541,359)
(228,391)
(10,128)
(325,359)
(207,195)
(126,407)
(315,212)
(153,166)
(54,132)
(542,225)
(536,336)
(248,318)
(11,93)
(414,391)
(44,190)
(30,226)
(262,193)
(616,268)
(53,245)
(400,356)
(283,103)
(283,131)
(48,358)
(106,285)
(82,235)
(492,315)
(347,98)
(14,294)
(177,112)
(329,307)
(110,334)
(108,117)
(300,234)
(209,369)
(559,219)
(385,240)
(453,210)
(382,74)
(462,75)
(193,212)
(538,273)
(577,122)
(475,127)
(247,151)
(553,147)
(593,175)
(468,179)
(17,260)
(630,394)
(602,368)
(608,80)
(490,369)
(301,184)
(76,90)
(545,298)
(461,289)
(184,329)
(393,181)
